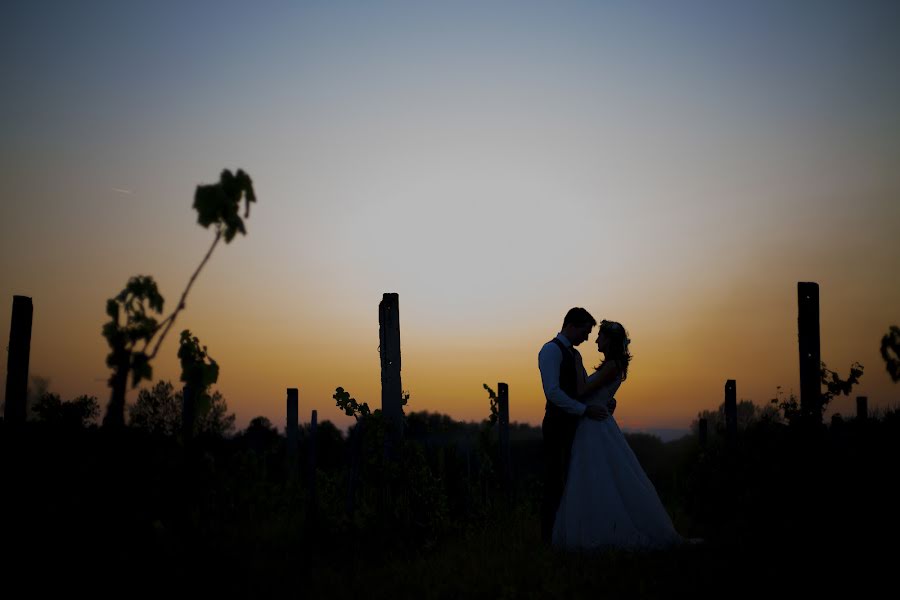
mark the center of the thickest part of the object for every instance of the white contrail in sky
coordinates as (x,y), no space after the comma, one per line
(123,191)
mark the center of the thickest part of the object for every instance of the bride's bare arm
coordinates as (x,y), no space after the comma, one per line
(605,375)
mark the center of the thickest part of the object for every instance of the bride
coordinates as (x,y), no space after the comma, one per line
(608,501)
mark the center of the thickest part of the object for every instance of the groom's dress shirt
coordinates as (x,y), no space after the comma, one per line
(549,359)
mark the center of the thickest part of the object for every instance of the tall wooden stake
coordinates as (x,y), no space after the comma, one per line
(810,352)
(391,388)
(17,361)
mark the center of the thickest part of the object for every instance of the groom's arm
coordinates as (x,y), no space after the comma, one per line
(549,360)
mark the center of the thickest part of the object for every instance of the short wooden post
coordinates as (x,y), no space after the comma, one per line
(391,388)
(292,429)
(731,409)
(810,352)
(703,432)
(503,421)
(313,428)
(17,360)
(862,408)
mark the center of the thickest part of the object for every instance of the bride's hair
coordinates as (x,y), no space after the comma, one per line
(617,350)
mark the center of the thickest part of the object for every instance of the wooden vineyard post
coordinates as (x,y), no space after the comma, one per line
(503,422)
(391,388)
(311,486)
(292,429)
(17,360)
(810,351)
(731,409)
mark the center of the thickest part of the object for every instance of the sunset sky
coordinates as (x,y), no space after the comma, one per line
(675,166)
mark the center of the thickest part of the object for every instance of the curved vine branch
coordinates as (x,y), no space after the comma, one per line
(170,320)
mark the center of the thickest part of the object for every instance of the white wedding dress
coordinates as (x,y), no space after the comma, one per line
(608,501)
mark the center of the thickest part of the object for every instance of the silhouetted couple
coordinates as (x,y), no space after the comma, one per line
(596,495)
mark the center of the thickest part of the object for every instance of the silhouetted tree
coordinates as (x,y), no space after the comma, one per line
(133,327)
(80,412)
(420,424)
(158,410)
(213,417)
(260,433)
(198,372)
(37,387)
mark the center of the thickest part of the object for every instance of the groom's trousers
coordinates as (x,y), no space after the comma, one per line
(558,432)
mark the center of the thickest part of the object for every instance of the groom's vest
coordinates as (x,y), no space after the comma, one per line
(568,381)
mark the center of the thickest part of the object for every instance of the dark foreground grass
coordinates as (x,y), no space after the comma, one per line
(89,516)
(503,558)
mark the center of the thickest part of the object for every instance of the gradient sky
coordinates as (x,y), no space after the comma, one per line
(677,167)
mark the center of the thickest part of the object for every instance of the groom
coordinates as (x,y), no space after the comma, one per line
(561,369)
